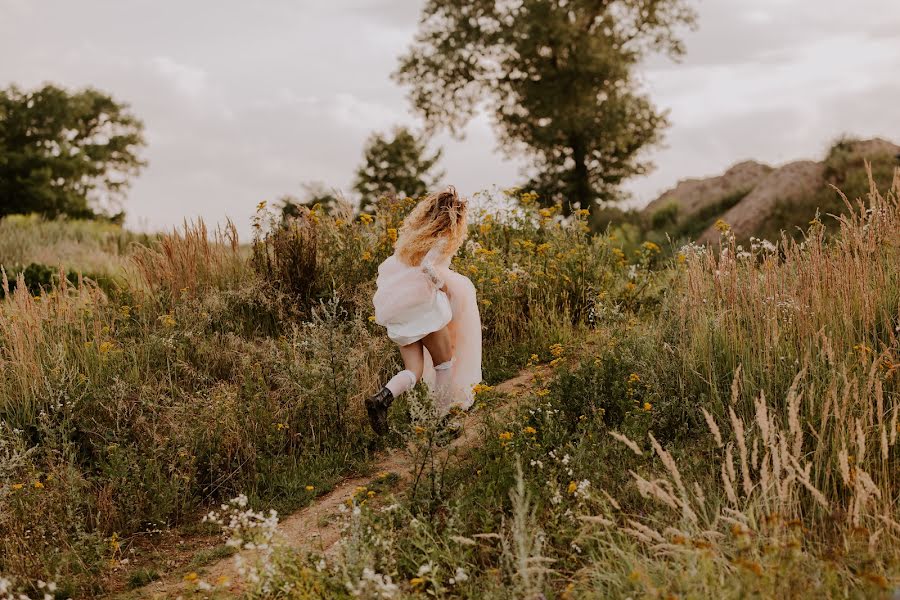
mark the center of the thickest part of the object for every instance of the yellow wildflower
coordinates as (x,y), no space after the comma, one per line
(366,218)
(191,577)
(168,320)
(530,430)
(416,581)
(38,485)
(542,393)
(573,487)
(648,407)
(419,430)
(392,234)
(106,347)
(506,435)
(485,302)
(557,350)
(546,213)
(651,247)
(542,248)
(480,388)
(18,486)
(310,488)
(366,255)
(371,493)
(722,226)
(634,378)
(528,197)
(371,318)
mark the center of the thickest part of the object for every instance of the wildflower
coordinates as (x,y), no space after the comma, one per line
(506,435)
(682,258)
(366,255)
(371,318)
(530,430)
(473,269)
(582,212)
(647,407)
(485,302)
(416,581)
(542,248)
(480,388)
(18,486)
(528,197)
(573,487)
(546,213)
(168,320)
(722,226)
(370,493)
(541,393)
(484,228)
(191,577)
(634,378)
(419,430)
(38,485)
(125,311)
(650,247)
(106,347)
(459,576)
(310,488)
(392,234)
(261,205)
(366,218)
(556,350)
(534,358)
(555,361)
(280,426)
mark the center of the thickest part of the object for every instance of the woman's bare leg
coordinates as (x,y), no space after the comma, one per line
(413,358)
(439,346)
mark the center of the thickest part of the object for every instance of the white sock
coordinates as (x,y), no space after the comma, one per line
(401,382)
(443,377)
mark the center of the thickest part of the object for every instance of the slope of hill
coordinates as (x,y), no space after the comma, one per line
(759,200)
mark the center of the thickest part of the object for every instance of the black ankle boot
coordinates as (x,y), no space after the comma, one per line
(377,407)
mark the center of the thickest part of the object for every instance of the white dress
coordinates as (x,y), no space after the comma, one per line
(410,305)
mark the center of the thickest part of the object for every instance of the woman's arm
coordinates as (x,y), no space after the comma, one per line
(428,264)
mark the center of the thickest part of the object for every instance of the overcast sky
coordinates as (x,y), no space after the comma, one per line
(245,101)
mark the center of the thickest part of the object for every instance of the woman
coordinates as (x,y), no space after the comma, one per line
(429,310)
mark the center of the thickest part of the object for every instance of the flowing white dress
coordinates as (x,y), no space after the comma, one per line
(409,303)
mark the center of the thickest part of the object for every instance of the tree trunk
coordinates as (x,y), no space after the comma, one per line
(581,182)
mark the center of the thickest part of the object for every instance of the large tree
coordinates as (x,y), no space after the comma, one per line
(65,153)
(399,164)
(558,76)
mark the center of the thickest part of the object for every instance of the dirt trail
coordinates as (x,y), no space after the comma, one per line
(315,528)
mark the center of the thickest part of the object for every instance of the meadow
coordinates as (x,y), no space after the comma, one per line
(706,422)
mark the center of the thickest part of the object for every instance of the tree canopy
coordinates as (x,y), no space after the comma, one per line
(558,76)
(66,153)
(397,165)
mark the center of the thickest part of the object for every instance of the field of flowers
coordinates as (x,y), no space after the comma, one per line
(719,424)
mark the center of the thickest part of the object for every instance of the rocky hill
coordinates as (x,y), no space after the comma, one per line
(760,200)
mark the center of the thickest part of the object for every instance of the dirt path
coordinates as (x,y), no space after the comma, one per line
(316,527)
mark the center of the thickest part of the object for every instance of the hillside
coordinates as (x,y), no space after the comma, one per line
(760,200)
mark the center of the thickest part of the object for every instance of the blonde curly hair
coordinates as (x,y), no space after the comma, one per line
(440,215)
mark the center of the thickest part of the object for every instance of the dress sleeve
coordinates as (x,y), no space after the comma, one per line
(428,263)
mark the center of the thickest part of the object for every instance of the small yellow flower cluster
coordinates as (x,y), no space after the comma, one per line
(392,234)
(529,430)
(366,218)
(506,436)
(480,388)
